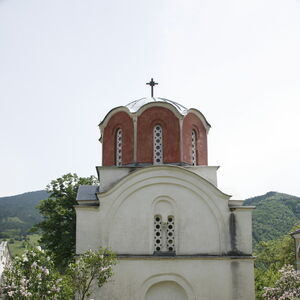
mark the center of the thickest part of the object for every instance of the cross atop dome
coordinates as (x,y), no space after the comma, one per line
(152,83)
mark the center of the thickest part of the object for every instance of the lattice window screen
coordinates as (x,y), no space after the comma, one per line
(170,234)
(157,145)
(119,147)
(194,148)
(164,234)
(157,233)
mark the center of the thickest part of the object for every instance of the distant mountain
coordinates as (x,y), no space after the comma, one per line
(18,213)
(274,216)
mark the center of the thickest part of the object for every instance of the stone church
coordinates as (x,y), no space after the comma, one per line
(158,207)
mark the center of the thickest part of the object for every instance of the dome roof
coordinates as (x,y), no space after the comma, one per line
(134,106)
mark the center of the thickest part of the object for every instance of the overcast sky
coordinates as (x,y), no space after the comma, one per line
(65,64)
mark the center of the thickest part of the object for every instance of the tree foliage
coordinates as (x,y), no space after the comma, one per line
(287,287)
(275,254)
(271,257)
(274,216)
(58,227)
(92,267)
(33,276)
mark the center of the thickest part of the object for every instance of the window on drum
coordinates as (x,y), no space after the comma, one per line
(194,148)
(119,147)
(157,145)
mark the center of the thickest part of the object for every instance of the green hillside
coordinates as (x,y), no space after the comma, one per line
(274,216)
(18,213)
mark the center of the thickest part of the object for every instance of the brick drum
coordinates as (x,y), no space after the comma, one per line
(118,120)
(171,135)
(192,122)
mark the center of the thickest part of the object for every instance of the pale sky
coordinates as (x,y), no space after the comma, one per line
(65,64)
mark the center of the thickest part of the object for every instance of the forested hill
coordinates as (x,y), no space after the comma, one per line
(274,216)
(18,213)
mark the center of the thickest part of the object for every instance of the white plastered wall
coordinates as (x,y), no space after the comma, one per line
(203,238)
(124,219)
(201,279)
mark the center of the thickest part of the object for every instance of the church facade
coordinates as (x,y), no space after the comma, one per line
(158,207)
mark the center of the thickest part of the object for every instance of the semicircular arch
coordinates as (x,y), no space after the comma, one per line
(167,277)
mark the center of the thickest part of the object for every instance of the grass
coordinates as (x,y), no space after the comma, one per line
(14,220)
(17,247)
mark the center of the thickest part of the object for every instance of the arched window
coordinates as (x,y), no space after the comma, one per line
(194,148)
(164,234)
(119,147)
(157,145)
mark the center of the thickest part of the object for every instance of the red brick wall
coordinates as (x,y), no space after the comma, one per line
(171,135)
(119,120)
(192,122)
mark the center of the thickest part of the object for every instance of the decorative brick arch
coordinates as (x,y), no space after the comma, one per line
(192,122)
(171,135)
(123,121)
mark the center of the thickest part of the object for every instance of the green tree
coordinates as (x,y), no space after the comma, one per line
(90,268)
(275,254)
(271,256)
(58,228)
(264,278)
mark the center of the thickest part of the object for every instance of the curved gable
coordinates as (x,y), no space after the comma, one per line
(198,206)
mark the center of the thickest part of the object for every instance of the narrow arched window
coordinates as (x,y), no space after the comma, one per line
(119,147)
(157,145)
(194,148)
(170,234)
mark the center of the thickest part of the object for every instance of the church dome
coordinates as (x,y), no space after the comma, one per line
(154,131)
(134,106)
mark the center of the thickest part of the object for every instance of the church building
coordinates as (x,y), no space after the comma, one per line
(158,207)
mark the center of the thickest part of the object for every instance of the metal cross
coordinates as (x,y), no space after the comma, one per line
(152,83)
